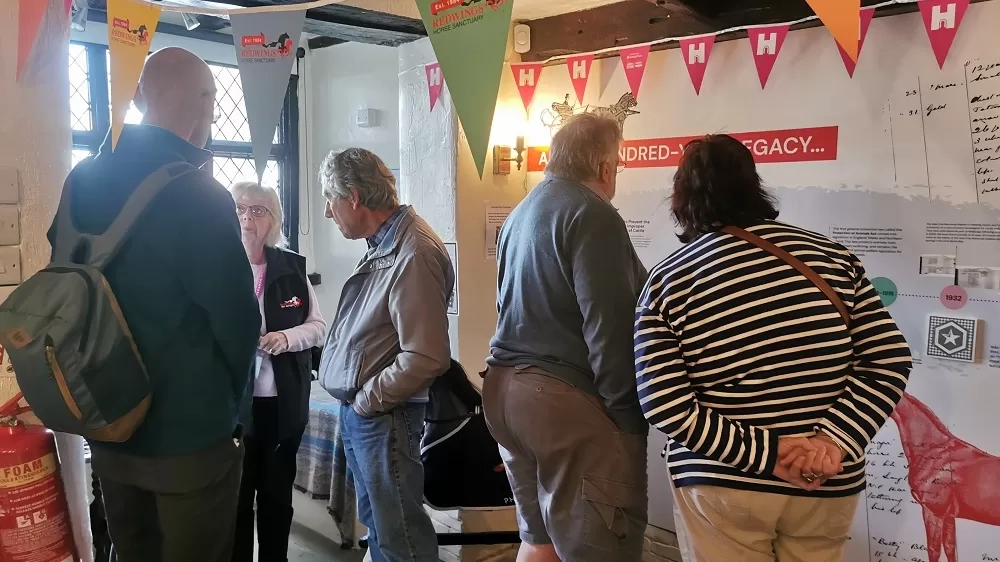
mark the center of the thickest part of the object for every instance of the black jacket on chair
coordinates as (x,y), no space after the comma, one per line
(286,305)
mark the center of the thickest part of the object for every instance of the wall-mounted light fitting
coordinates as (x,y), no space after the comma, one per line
(502,159)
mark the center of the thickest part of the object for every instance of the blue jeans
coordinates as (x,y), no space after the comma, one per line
(384,455)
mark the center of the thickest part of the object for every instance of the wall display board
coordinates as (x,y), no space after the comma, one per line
(901,164)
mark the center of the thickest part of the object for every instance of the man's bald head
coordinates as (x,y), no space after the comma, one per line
(177,92)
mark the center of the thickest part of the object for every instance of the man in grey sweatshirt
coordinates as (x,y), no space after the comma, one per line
(560,393)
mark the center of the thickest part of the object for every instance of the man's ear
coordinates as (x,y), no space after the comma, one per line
(355,198)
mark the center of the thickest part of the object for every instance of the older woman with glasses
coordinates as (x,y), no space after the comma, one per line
(292,326)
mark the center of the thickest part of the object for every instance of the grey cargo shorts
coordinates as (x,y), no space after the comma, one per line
(579,483)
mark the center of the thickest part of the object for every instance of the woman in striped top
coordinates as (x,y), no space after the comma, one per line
(768,397)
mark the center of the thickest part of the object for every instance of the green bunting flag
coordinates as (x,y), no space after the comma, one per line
(470,40)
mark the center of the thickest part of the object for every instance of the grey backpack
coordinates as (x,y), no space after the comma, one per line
(72,352)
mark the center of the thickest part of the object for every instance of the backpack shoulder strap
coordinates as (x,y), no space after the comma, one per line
(796,263)
(66,235)
(105,246)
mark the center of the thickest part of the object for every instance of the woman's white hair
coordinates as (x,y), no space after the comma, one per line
(275,237)
(359,170)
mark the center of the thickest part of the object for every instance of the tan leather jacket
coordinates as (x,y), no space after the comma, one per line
(389,340)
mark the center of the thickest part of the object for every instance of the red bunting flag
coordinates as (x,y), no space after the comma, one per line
(696,51)
(579,73)
(435,82)
(766,42)
(941,20)
(30,14)
(634,61)
(866,21)
(526,76)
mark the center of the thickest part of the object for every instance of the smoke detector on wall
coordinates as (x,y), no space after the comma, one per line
(522,38)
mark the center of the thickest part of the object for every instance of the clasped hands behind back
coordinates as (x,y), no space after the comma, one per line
(808,462)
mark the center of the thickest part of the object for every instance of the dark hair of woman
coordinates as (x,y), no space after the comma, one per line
(717,185)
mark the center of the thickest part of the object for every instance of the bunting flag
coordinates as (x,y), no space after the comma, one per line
(131,26)
(579,73)
(766,42)
(843,19)
(941,20)
(696,51)
(866,21)
(30,14)
(265,51)
(435,82)
(470,43)
(526,76)
(634,62)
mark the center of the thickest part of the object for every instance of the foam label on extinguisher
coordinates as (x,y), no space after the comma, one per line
(33,523)
(27,473)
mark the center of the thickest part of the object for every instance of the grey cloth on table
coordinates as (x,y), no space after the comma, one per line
(322,464)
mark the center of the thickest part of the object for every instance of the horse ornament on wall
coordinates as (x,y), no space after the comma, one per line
(555,116)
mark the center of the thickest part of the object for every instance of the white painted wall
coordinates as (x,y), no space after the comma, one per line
(335,83)
(36,143)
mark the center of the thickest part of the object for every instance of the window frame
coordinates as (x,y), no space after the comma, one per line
(285,152)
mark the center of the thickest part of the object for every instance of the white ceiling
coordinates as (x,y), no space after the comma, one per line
(523,9)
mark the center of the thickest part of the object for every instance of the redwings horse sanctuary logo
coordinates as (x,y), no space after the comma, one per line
(121,30)
(257,48)
(452,14)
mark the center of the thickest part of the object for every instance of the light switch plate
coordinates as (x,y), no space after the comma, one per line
(10,226)
(9,186)
(10,265)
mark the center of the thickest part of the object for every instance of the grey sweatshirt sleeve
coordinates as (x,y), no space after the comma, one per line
(604,280)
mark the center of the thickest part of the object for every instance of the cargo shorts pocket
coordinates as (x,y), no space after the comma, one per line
(612,512)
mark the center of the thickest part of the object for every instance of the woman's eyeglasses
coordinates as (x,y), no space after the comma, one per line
(256,211)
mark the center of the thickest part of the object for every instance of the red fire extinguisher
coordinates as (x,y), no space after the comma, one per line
(34,516)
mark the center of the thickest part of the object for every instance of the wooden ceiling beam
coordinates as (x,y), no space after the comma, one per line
(612,25)
(337,22)
(640,21)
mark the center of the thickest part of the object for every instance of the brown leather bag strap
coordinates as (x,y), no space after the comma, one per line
(795,262)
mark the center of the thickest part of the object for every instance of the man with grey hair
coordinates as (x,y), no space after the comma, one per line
(560,393)
(387,344)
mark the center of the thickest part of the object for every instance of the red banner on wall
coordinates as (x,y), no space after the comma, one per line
(815,144)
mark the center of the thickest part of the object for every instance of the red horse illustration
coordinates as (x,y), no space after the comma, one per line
(949,478)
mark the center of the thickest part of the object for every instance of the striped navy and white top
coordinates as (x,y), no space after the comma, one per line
(734,348)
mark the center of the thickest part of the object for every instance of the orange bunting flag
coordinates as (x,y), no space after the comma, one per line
(843,19)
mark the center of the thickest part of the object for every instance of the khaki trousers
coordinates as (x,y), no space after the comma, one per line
(724,525)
